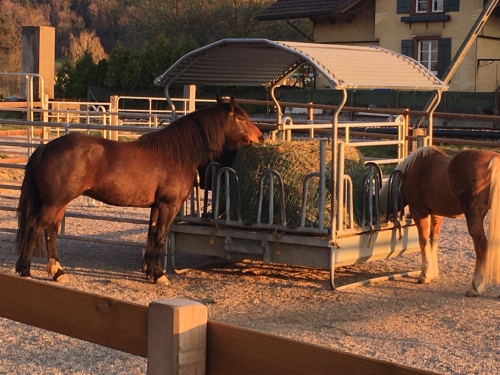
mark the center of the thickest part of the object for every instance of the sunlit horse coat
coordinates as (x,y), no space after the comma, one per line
(157,171)
(437,185)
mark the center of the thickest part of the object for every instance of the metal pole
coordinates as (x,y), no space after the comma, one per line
(170,103)
(340,186)
(335,182)
(322,190)
(430,127)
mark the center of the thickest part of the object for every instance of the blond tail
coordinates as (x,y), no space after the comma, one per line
(492,263)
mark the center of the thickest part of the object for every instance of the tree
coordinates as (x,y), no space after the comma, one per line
(86,41)
(152,62)
(62,87)
(10,42)
(74,81)
(118,67)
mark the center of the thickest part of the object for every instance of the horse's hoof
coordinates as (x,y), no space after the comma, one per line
(423,280)
(162,280)
(52,267)
(60,277)
(472,292)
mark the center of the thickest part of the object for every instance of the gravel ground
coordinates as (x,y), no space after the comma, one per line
(433,327)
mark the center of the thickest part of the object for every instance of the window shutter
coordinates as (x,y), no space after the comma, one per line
(451,5)
(444,55)
(407,47)
(404,6)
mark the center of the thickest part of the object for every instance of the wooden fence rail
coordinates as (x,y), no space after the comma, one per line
(175,335)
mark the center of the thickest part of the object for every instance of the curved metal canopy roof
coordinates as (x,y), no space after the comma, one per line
(262,62)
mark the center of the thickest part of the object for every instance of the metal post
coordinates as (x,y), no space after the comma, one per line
(430,126)
(322,187)
(277,105)
(340,187)
(170,103)
(335,182)
(407,130)
(310,118)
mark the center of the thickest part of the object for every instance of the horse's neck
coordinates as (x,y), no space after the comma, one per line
(403,167)
(187,144)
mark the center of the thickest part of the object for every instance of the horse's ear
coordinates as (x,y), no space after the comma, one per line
(226,101)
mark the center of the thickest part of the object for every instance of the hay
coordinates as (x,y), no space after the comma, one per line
(293,160)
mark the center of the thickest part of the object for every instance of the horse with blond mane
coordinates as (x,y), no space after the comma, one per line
(436,185)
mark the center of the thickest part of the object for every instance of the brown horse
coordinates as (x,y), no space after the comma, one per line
(436,185)
(157,171)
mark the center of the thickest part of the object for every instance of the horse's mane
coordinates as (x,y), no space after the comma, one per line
(190,140)
(420,152)
(403,167)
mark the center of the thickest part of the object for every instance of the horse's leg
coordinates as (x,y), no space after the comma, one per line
(34,239)
(166,215)
(476,231)
(153,220)
(423,227)
(435,230)
(32,245)
(53,266)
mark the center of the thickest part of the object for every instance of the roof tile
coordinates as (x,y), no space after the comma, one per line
(293,9)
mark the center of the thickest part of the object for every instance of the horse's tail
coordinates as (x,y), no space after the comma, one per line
(29,206)
(492,262)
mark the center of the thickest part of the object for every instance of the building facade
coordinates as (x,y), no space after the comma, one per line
(430,31)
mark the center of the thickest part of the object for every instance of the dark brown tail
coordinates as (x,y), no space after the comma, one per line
(29,206)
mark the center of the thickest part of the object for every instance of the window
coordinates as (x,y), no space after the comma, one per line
(429,6)
(433,53)
(437,5)
(427,54)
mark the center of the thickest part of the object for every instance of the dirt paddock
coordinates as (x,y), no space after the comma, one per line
(433,327)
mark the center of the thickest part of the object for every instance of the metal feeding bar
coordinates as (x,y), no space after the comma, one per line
(267,63)
(271,175)
(227,172)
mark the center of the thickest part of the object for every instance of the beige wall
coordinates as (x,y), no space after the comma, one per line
(361,29)
(488,71)
(488,47)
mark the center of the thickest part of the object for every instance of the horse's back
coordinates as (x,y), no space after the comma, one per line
(72,153)
(426,187)
(469,171)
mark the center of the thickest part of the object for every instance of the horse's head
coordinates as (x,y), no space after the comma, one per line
(240,130)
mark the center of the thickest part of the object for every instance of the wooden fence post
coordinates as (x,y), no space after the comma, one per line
(177,336)
(190,95)
(114,118)
(418,132)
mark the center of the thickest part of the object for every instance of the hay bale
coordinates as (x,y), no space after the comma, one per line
(293,160)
